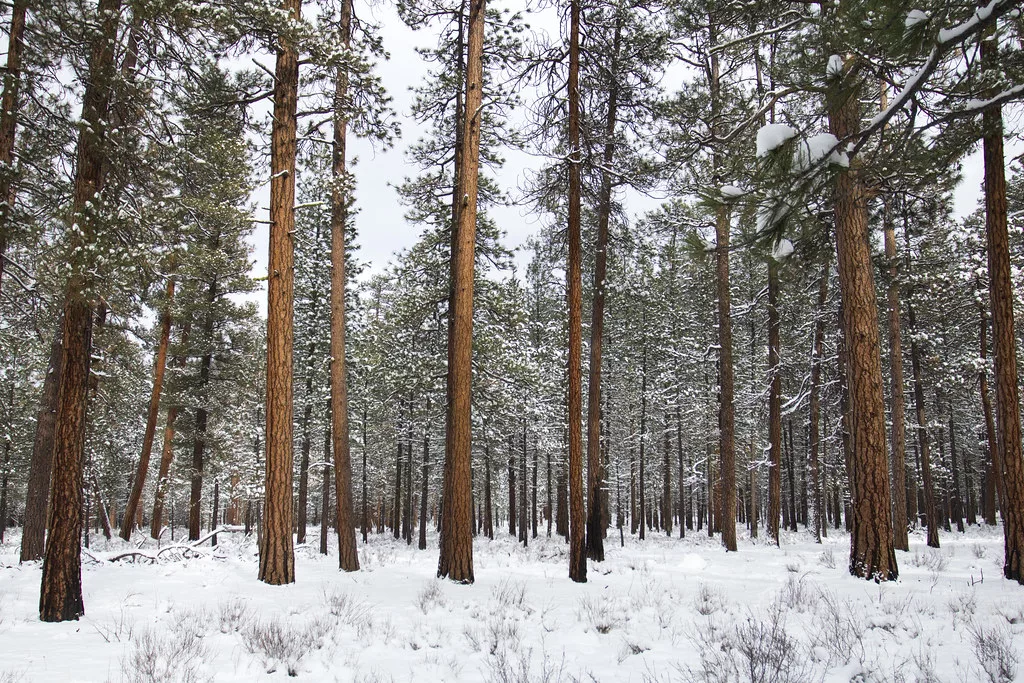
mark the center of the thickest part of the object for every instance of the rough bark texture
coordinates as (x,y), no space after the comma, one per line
(899,438)
(60,597)
(456,557)
(1004,342)
(726,408)
(871,546)
(135,497)
(577,556)
(277,553)
(37,497)
(9,122)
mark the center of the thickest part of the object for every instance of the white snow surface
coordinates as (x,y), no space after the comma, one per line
(811,150)
(782,249)
(771,136)
(663,609)
(835,67)
(915,17)
(731,191)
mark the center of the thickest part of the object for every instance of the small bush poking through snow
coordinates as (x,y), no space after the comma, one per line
(708,600)
(174,657)
(430,596)
(827,558)
(349,611)
(278,642)
(599,614)
(838,630)
(510,594)
(932,560)
(233,615)
(993,647)
(798,594)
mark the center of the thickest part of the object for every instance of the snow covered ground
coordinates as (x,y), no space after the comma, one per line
(659,610)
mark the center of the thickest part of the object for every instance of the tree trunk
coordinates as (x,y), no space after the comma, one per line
(727,408)
(899,440)
(923,442)
(666,481)
(456,556)
(277,552)
(424,486)
(994,470)
(871,547)
(577,556)
(488,502)
(815,402)
(641,479)
(595,530)
(38,494)
(957,508)
(524,531)
(325,494)
(1004,340)
(202,419)
(513,517)
(8,125)
(775,405)
(304,447)
(533,490)
(60,597)
(167,453)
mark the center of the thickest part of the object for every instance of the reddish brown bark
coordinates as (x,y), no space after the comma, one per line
(577,556)
(60,596)
(135,497)
(1008,435)
(277,552)
(456,557)
(37,497)
(871,546)
(9,122)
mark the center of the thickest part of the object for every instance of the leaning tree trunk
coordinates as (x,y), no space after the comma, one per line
(60,596)
(456,556)
(135,498)
(871,543)
(577,556)
(277,552)
(1004,340)
(8,124)
(167,454)
(37,496)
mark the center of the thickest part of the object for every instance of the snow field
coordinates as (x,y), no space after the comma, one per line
(660,610)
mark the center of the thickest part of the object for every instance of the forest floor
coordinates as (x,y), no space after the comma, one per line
(663,609)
